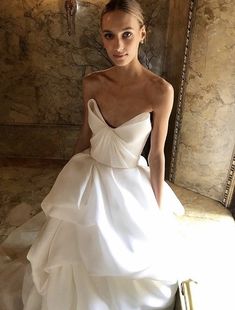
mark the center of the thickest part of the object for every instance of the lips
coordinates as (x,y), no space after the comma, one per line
(120,56)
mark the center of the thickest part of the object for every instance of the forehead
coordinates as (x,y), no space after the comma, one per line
(119,20)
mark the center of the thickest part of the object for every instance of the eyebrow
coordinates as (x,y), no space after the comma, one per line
(127,28)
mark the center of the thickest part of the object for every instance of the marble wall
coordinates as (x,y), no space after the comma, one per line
(175,47)
(207,132)
(42,69)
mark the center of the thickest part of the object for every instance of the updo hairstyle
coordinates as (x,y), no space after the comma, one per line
(128,6)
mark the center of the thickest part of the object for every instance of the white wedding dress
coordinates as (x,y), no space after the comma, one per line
(105,244)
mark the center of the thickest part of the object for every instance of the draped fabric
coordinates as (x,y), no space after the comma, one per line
(105,244)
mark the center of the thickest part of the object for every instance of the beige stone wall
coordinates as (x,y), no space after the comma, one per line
(175,46)
(42,69)
(208,125)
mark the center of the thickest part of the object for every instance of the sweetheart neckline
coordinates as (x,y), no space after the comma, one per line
(110,126)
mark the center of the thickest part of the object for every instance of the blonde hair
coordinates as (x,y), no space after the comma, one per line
(128,6)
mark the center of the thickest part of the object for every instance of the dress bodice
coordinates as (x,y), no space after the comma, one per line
(118,147)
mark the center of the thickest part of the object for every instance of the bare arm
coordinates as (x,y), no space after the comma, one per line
(156,158)
(83,141)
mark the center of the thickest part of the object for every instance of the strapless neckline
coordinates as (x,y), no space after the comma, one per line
(109,125)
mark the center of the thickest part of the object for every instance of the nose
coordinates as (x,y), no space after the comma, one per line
(118,45)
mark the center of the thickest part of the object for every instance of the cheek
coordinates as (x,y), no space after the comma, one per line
(107,44)
(133,45)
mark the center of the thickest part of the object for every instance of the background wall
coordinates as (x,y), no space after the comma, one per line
(207,132)
(174,59)
(42,69)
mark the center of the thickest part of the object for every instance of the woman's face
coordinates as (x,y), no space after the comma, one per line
(121,35)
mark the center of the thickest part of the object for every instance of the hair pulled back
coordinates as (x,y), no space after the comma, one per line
(128,6)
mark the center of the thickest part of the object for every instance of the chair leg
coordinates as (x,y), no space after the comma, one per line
(185,298)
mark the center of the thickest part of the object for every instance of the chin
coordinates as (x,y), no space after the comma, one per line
(120,65)
(121,62)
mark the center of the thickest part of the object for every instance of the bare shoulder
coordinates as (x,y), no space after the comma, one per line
(160,91)
(92,77)
(96,76)
(91,82)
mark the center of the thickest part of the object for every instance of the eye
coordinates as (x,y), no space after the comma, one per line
(127,34)
(108,36)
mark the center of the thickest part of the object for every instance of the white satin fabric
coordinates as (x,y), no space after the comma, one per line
(105,244)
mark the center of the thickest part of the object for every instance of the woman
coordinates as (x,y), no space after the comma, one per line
(128,89)
(108,241)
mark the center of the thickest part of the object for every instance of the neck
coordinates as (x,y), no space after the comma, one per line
(128,73)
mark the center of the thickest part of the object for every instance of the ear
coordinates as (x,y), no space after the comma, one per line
(143,32)
(101,35)
(100,31)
